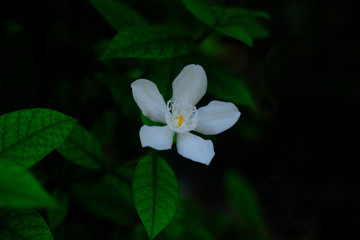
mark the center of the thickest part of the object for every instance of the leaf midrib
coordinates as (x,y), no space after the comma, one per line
(2,153)
(174,40)
(154,196)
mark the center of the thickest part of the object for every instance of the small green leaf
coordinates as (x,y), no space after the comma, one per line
(151,42)
(57,215)
(243,199)
(82,148)
(104,197)
(27,136)
(230,88)
(243,12)
(237,32)
(202,11)
(156,193)
(23,224)
(19,188)
(251,25)
(118,14)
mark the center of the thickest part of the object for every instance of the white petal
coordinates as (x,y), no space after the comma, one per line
(149,100)
(159,138)
(195,148)
(190,85)
(216,117)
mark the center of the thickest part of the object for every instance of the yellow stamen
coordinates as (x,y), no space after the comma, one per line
(180,120)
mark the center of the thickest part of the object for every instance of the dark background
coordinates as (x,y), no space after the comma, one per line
(299,153)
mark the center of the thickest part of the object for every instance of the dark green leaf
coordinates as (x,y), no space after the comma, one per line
(202,11)
(27,136)
(23,224)
(243,12)
(230,88)
(244,201)
(152,42)
(239,23)
(82,148)
(19,188)
(118,14)
(58,215)
(156,193)
(104,197)
(251,25)
(237,32)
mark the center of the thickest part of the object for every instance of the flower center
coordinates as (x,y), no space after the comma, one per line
(181,117)
(180,120)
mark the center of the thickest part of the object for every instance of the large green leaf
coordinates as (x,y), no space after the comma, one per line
(19,188)
(27,136)
(156,193)
(104,197)
(82,148)
(152,42)
(245,203)
(23,224)
(118,14)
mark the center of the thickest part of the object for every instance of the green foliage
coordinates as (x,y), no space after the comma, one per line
(202,11)
(105,197)
(23,224)
(237,32)
(227,87)
(156,193)
(19,188)
(244,201)
(239,23)
(118,14)
(82,148)
(151,42)
(120,191)
(27,136)
(57,215)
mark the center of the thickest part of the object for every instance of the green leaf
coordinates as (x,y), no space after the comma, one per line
(239,23)
(19,188)
(82,148)
(237,32)
(23,224)
(118,14)
(104,197)
(243,12)
(151,42)
(202,11)
(156,193)
(243,199)
(230,88)
(27,136)
(57,215)
(251,25)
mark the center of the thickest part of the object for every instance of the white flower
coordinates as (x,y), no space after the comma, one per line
(181,116)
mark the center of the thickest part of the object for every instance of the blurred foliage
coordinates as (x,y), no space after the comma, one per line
(71,162)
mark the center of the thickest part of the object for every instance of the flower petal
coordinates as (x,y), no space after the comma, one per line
(149,100)
(190,85)
(216,117)
(159,138)
(195,148)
